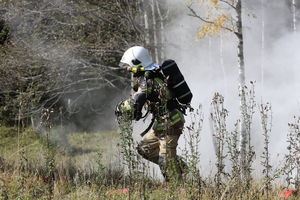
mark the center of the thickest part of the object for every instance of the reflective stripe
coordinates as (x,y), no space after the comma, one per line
(176,118)
(175,86)
(184,95)
(158,126)
(137,68)
(147,89)
(169,65)
(173,119)
(159,81)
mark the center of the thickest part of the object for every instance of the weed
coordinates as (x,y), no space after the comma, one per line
(218,117)
(292,159)
(234,154)
(266,122)
(246,148)
(49,176)
(127,146)
(191,152)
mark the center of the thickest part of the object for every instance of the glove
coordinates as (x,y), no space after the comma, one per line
(124,109)
(118,109)
(137,115)
(139,101)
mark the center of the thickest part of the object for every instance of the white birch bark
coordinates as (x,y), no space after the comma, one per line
(294,29)
(32,122)
(213,133)
(294,16)
(209,53)
(222,63)
(162,33)
(146,24)
(155,56)
(262,64)
(243,107)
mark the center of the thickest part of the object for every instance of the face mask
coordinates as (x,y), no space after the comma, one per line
(137,70)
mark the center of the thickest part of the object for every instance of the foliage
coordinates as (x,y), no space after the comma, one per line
(292,158)
(213,28)
(62,55)
(218,117)
(191,155)
(266,122)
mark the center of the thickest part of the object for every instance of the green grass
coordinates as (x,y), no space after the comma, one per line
(87,145)
(77,152)
(80,153)
(81,147)
(12,143)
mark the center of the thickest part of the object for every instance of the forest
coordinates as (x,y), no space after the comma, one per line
(60,82)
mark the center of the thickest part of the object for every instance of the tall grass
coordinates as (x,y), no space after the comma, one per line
(191,152)
(266,122)
(130,178)
(292,158)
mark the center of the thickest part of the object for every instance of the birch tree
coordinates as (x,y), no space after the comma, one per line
(294,9)
(227,15)
(153,21)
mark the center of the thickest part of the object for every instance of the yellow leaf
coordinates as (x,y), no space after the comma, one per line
(213,28)
(214,2)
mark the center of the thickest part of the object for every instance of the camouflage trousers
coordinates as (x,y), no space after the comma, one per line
(159,147)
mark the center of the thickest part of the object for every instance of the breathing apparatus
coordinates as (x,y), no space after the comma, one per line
(137,69)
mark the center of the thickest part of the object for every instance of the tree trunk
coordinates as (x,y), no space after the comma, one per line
(222,64)
(262,64)
(162,56)
(155,52)
(32,122)
(294,15)
(146,24)
(243,108)
(210,65)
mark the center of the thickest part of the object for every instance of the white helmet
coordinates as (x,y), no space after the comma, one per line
(138,55)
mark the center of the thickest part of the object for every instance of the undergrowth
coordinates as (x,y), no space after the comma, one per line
(93,166)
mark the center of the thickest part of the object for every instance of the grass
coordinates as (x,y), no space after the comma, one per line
(28,141)
(35,189)
(78,153)
(81,154)
(86,145)
(81,147)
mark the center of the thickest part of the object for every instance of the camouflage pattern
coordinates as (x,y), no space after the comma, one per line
(159,147)
(159,144)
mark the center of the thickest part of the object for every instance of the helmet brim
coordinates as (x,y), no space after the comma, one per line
(123,65)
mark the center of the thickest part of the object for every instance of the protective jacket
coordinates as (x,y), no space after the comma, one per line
(152,92)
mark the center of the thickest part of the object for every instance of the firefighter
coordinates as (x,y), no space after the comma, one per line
(159,144)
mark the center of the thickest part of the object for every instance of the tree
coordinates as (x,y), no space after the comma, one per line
(64,54)
(153,19)
(218,20)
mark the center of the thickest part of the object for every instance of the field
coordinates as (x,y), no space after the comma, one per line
(89,166)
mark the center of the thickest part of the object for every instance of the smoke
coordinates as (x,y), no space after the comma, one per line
(50,34)
(201,64)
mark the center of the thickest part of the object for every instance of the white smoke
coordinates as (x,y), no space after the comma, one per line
(201,65)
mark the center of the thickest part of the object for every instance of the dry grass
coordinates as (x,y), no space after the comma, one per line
(78,176)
